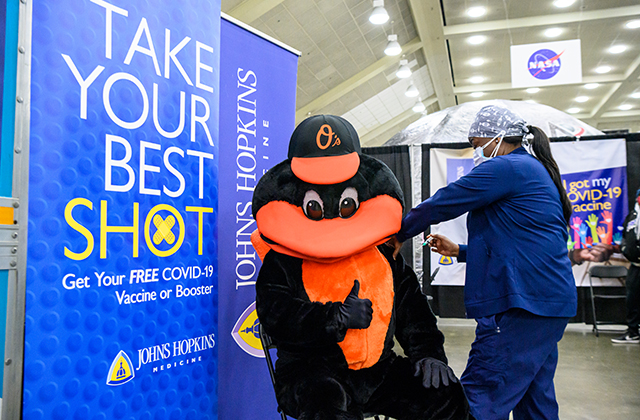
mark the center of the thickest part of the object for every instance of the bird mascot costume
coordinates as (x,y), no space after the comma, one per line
(331,295)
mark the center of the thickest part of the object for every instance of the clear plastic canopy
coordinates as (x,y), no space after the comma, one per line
(451,125)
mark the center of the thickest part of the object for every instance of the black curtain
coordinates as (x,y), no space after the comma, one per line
(397,159)
(633,167)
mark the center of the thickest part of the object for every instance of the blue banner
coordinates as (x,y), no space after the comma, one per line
(257,116)
(121,267)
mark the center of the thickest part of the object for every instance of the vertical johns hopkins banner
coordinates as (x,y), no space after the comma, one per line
(257,112)
(121,268)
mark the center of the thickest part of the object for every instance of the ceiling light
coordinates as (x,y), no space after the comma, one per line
(403,71)
(563,3)
(617,49)
(476,11)
(633,24)
(625,107)
(477,94)
(411,91)
(573,110)
(419,106)
(379,14)
(476,39)
(476,79)
(591,86)
(533,90)
(635,95)
(582,99)
(603,69)
(393,48)
(475,62)
(553,32)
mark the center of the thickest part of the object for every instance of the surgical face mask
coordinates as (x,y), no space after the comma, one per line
(478,153)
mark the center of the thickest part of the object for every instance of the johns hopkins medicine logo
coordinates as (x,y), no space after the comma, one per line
(246,332)
(121,370)
(544,64)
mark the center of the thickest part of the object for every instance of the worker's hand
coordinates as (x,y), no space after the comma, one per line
(434,372)
(358,312)
(443,245)
(394,243)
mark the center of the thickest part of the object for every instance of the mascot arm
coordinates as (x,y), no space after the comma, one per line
(286,312)
(416,325)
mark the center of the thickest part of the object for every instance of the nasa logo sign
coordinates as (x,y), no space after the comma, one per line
(544,64)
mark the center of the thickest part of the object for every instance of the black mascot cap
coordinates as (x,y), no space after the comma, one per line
(324,149)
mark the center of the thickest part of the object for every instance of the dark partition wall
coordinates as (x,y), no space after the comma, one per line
(398,160)
(633,166)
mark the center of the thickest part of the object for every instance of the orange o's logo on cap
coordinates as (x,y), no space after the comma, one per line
(324,137)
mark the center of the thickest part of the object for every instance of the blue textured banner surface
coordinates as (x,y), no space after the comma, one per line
(257,111)
(121,316)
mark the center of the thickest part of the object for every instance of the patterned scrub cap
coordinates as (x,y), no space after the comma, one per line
(492,121)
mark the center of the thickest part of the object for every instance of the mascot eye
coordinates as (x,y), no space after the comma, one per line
(348,202)
(312,205)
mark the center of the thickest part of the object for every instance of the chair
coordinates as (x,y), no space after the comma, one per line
(268,344)
(605,271)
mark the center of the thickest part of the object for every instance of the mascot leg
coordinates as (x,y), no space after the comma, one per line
(317,397)
(403,397)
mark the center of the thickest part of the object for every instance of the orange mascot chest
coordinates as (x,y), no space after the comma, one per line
(332,282)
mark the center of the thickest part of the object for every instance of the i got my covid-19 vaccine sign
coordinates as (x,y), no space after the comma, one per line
(121,313)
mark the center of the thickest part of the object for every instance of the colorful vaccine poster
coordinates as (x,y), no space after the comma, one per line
(121,305)
(594,174)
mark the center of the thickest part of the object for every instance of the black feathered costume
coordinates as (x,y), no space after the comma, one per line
(330,293)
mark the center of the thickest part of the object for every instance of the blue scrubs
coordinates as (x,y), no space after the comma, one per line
(511,366)
(517,263)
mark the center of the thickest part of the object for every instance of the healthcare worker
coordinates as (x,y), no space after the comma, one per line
(519,284)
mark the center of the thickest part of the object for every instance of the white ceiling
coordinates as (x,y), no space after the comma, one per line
(344,71)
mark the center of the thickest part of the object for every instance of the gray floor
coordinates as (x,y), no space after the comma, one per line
(595,379)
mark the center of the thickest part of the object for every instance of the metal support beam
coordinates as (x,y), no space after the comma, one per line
(366,139)
(620,89)
(427,16)
(16,301)
(602,79)
(546,20)
(355,81)
(250,10)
